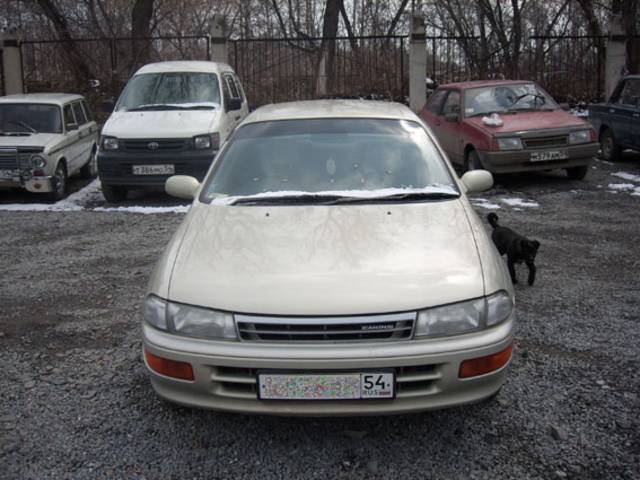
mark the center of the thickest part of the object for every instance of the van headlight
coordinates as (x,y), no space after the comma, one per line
(110,143)
(188,320)
(580,136)
(463,317)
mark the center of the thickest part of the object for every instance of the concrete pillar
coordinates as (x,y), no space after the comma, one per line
(219,47)
(417,64)
(616,61)
(321,86)
(11,63)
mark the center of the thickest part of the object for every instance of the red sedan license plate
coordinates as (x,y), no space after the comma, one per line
(548,155)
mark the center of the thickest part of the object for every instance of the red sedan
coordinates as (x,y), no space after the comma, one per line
(508,126)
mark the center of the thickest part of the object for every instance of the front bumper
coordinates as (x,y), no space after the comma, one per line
(520,160)
(116,167)
(40,184)
(426,372)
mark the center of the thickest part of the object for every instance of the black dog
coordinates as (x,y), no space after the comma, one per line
(518,248)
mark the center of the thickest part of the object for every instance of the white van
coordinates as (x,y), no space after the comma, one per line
(171,119)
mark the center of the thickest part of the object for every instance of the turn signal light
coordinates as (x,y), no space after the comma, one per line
(482,365)
(170,368)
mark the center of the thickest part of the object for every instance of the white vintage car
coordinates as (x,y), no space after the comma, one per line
(44,139)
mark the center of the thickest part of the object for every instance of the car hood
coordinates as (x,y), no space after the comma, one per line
(526,121)
(326,260)
(33,140)
(161,124)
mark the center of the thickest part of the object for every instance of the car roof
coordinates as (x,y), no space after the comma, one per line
(482,83)
(330,109)
(55,98)
(185,66)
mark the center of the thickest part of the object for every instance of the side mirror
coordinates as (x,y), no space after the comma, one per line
(452,117)
(182,186)
(108,106)
(477,181)
(72,127)
(233,104)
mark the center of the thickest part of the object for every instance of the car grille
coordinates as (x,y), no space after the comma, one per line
(242,383)
(156,145)
(545,142)
(391,327)
(12,159)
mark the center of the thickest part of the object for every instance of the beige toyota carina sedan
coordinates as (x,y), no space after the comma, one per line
(330,264)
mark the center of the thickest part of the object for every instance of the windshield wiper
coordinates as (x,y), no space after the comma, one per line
(328,199)
(288,200)
(143,108)
(171,106)
(398,197)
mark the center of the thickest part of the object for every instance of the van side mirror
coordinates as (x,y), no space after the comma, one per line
(108,106)
(477,181)
(182,186)
(233,104)
(452,117)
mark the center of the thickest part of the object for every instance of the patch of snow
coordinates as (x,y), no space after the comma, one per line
(627,176)
(520,202)
(145,210)
(604,161)
(621,186)
(484,203)
(378,193)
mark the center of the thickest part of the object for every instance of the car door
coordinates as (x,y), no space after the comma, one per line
(72,148)
(621,110)
(449,118)
(84,133)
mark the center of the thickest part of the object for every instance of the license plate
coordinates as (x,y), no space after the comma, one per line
(153,170)
(548,155)
(334,386)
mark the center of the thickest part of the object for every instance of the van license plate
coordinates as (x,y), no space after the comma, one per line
(153,170)
(549,155)
(334,386)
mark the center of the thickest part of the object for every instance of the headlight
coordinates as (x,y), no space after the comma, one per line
(510,143)
(38,161)
(110,143)
(201,322)
(155,312)
(581,136)
(464,317)
(202,142)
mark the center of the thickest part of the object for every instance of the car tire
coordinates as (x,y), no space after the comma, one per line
(90,169)
(60,183)
(472,161)
(609,150)
(113,193)
(578,173)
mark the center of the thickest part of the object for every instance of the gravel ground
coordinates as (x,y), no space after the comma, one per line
(75,401)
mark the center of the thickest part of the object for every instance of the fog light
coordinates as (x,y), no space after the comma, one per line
(170,368)
(482,365)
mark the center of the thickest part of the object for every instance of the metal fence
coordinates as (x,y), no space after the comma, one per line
(2,92)
(276,70)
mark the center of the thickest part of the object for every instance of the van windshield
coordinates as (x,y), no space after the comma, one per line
(170,91)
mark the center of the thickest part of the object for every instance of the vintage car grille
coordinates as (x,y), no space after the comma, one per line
(546,142)
(157,145)
(12,159)
(391,327)
(241,383)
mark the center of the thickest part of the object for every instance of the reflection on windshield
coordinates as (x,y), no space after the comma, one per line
(168,91)
(327,155)
(30,118)
(506,98)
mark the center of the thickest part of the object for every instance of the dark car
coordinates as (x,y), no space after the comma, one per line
(618,120)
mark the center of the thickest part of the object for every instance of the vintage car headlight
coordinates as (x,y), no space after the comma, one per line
(38,161)
(509,143)
(463,317)
(188,320)
(110,143)
(580,136)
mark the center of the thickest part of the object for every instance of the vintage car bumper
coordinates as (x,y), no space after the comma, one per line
(520,161)
(426,371)
(40,184)
(116,168)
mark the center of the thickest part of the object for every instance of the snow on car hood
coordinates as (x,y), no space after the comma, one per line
(44,140)
(518,122)
(161,124)
(326,260)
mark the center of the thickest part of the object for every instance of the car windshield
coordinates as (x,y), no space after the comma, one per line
(170,91)
(506,98)
(30,118)
(328,159)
